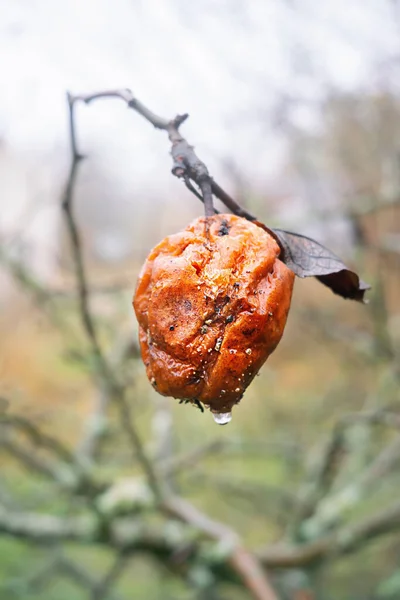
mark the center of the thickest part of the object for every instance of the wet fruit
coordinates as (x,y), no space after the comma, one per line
(212,305)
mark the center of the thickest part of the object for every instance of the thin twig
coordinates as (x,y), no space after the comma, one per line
(60,565)
(380,417)
(114,388)
(96,427)
(43,297)
(321,474)
(189,459)
(102,588)
(76,244)
(38,437)
(186,164)
(255,495)
(314,500)
(346,540)
(31,461)
(62,467)
(252,573)
(332,508)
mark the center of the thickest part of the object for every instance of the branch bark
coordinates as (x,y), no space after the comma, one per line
(45,529)
(346,540)
(244,563)
(186,164)
(107,379)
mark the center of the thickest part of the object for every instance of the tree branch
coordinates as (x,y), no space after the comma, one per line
(189,459)
(63,477)
(107,378)
(345,541)
(71,570)
(76,244)
(96,427)
(38,437)
(244,563)
(45,529)
(319,478)
(380,417)
(186,164)
(101,589)
(332,508)
(66,470)
(42,297)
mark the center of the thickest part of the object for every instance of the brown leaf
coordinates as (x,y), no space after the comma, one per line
(307,258)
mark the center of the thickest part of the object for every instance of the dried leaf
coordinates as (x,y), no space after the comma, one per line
(307,258)
(347,284)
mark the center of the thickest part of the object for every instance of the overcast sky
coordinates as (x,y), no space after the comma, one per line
(216,60)
(224,61)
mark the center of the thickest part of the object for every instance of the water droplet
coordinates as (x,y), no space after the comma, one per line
(222,418)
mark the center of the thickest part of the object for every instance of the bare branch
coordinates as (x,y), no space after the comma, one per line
(136,443)
(96,426)
(128,537)
(66,471)
(76,244)
(275,501)
(46,529)
(332,508)
(189,459)
(21,274)
(71,570)
(42,297)
(380,417)
(241,560)
(383,464)
(41,576)
(38,437)
(54,472)
(60,565)
(186,164)
(101,589)
(108,380)
(316,509)
(321,474)
(346,540)
(250,570)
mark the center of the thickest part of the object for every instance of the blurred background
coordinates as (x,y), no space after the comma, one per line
(295,109)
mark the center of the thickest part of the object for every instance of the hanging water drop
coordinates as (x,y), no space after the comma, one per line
(222,418)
